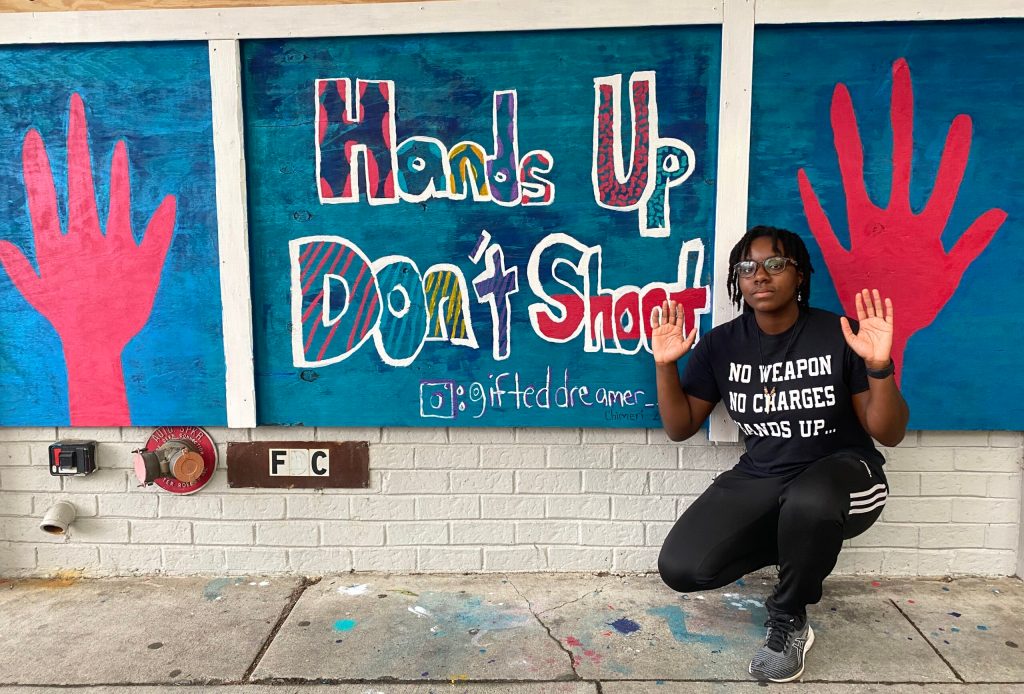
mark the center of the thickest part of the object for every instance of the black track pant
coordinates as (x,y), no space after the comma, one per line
(743,523)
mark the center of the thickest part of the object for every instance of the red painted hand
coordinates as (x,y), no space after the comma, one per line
(894,249)
(96,289)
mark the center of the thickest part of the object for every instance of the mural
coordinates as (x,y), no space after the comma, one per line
(115,320)
(471,229)
(893,152)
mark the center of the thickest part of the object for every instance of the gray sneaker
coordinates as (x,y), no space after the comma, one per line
(781,658)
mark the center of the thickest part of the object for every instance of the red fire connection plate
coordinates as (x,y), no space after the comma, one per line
(203,443)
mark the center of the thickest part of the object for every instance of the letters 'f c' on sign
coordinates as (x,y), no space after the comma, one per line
(299,462)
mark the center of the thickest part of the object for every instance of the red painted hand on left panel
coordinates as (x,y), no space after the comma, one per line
(96,288)
(894,249)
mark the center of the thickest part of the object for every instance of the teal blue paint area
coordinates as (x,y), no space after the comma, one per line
(471,614)
(675,618)
(754,609)
(625,626)
(214,589)
(344,625)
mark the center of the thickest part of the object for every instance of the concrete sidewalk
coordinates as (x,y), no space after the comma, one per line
(490,633)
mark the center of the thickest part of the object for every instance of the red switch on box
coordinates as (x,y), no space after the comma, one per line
(72,457)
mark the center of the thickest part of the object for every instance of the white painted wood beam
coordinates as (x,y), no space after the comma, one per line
(733,170)
(233,232)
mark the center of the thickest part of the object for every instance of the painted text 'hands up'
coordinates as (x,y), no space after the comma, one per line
(357,148)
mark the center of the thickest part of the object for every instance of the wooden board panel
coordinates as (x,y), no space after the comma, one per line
(121,325)
(946,249)
(434,287)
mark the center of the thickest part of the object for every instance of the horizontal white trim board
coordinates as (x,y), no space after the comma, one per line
(436,16)
(806,11)
(446,16)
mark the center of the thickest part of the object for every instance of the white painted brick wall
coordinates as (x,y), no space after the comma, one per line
(578,506)
(312,560)
(482,500)
(615,481)
(549,481)
(518,457)
(288,534)
(520,558)
(653,457)
(53,558)
(352,533)
(393,559)
(416,533)
(448,506)
(221,533)
(482,482)
(256,560)
(578,559)
(131,559)
(655,533)
(511,507)
(161,532)
(592,456)
(447,559)
(482,533)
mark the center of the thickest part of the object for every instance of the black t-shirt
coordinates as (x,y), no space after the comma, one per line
(790,394)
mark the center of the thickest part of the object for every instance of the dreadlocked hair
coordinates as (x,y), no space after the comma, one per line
(783,241)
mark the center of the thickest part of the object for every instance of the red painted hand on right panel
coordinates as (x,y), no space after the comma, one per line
(895,249)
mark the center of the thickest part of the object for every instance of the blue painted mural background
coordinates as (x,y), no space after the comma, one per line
(157,98)
(443,89)
(962,371)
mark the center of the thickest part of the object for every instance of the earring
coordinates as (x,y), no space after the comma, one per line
(799,296)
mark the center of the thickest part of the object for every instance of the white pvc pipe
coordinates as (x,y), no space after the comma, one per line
(58,517)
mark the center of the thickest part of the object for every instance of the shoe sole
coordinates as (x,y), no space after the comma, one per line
(803,660)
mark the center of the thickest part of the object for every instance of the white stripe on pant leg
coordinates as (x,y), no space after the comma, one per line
(869,508)
(869,492)
(868,501)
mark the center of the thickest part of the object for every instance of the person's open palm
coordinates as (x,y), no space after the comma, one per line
(667,341)
(873,340)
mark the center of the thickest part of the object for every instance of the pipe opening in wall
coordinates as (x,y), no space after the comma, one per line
(57,518)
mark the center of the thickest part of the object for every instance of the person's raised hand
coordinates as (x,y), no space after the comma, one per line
(667,341)
(873,340)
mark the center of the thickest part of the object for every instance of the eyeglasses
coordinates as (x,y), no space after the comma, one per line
(773,266)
